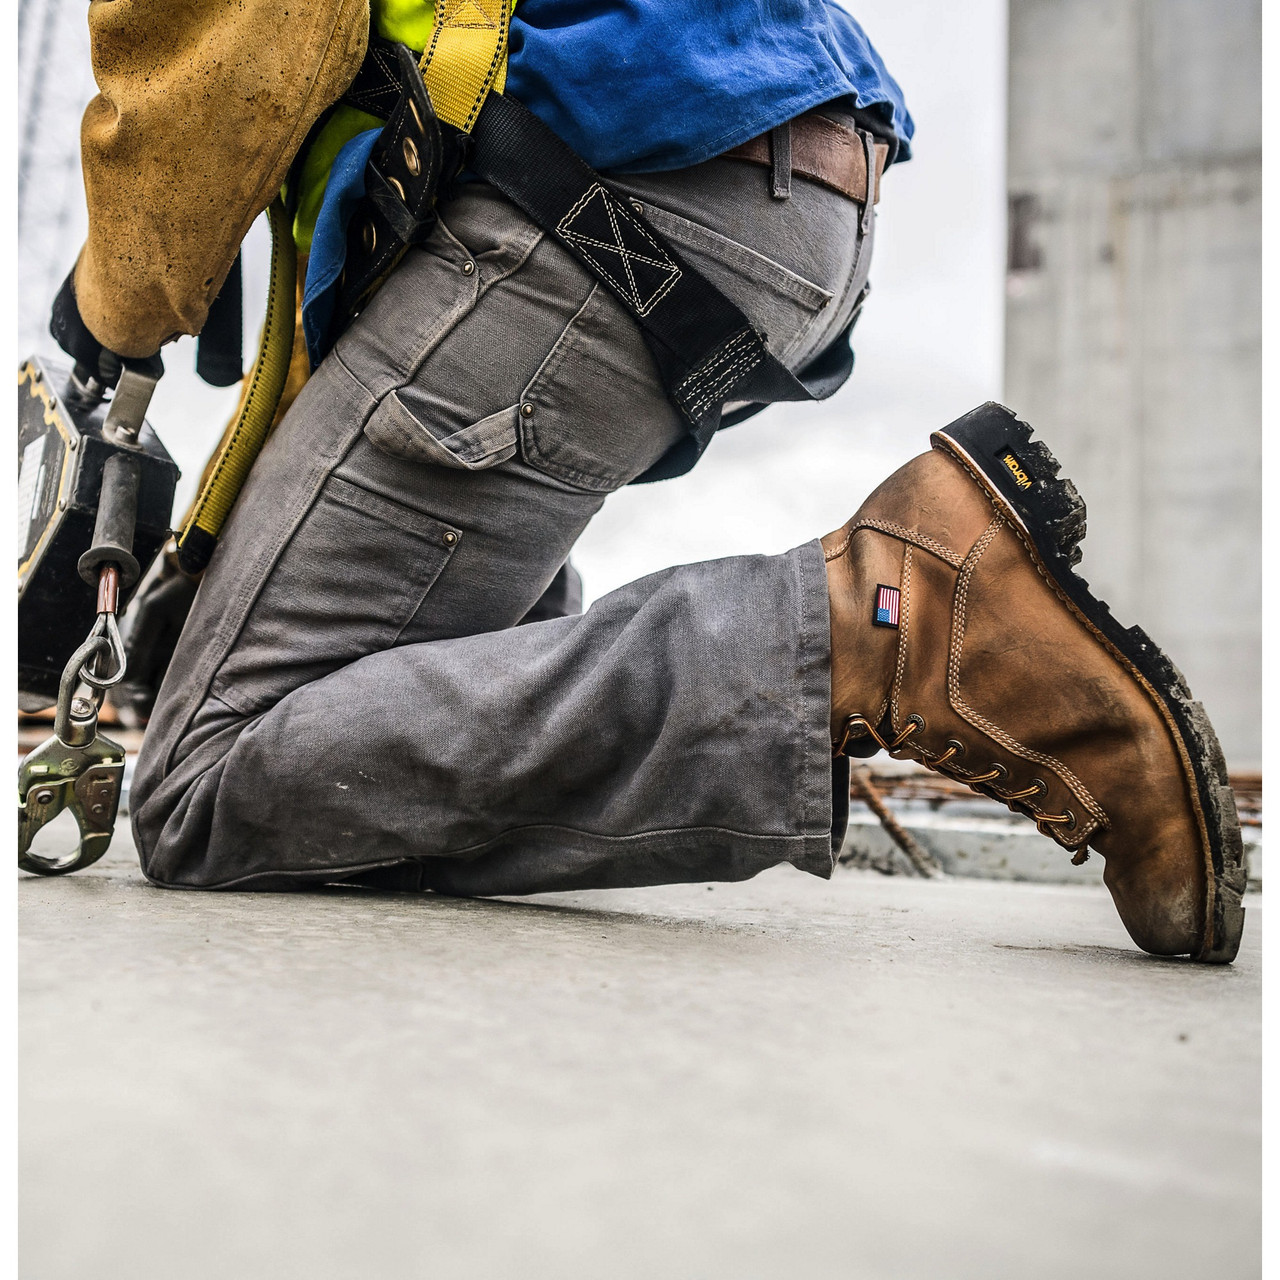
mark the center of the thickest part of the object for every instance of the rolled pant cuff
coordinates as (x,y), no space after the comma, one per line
(824,794)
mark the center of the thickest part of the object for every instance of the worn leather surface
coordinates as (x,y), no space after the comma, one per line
(824,151)
(202,106)
(990,656)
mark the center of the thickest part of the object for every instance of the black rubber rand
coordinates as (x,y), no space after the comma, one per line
(1024,474)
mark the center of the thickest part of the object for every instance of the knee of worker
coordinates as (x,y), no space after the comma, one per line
(173,794)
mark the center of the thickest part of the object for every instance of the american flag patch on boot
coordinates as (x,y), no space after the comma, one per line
(886,606)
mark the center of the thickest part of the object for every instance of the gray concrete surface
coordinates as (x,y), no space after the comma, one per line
(1133,317)
(985,841)
(787,1078)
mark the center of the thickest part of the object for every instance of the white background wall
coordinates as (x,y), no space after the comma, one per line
(1134,338)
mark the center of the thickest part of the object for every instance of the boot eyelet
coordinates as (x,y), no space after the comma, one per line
(901,741)
(1001,774)
(1041,786)
(855,726)
(956,748)
(1070,824)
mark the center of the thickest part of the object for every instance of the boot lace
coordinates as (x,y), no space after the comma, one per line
(858,726)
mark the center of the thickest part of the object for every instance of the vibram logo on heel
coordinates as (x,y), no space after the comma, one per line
(1020,477)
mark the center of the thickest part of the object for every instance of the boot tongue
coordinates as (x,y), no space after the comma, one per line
(861,748)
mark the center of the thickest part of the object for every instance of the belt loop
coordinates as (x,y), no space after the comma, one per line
(780,154)
(869,198)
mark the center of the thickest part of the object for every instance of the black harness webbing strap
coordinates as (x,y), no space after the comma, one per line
(377,86)
(706,350)
(401,183)
(220,346)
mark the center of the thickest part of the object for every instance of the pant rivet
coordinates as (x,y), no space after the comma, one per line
(527,410)
(468,267)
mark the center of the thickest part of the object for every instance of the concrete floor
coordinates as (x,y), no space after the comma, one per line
(786,1078)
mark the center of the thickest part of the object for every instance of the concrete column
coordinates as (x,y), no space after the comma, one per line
(1133,322)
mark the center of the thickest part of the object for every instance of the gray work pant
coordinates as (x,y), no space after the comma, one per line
(352,699)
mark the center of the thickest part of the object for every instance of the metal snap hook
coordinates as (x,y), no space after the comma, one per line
(77,770)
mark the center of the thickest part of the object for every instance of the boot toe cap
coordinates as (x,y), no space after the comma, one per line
(1161,905)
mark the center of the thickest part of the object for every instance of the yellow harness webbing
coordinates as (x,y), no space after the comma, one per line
(247,432)
(465,58)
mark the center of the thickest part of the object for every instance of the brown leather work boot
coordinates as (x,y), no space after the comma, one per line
(961,637)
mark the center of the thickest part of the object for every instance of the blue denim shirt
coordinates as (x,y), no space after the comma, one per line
(636,86)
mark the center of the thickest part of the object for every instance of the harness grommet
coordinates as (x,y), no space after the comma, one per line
(411,161)
(370,237)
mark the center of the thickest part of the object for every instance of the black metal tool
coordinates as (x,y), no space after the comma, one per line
(95,487)
(95,496)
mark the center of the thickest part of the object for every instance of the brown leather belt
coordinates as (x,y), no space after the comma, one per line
(823,151)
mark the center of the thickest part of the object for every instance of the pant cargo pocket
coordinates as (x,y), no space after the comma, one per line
(399,551)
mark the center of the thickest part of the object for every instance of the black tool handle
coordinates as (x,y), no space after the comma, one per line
(117,516)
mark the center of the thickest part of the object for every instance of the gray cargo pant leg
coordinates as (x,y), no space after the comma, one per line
(351,696)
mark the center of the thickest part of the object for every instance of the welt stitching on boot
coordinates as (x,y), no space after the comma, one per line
(999,655)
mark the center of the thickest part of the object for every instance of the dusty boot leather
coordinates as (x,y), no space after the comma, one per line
(962,638)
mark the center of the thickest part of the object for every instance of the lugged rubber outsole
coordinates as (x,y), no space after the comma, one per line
(997,448)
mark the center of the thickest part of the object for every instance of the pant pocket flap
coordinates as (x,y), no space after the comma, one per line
(703,245)
(393,429)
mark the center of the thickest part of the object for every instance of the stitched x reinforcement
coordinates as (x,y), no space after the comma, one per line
(620,249)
